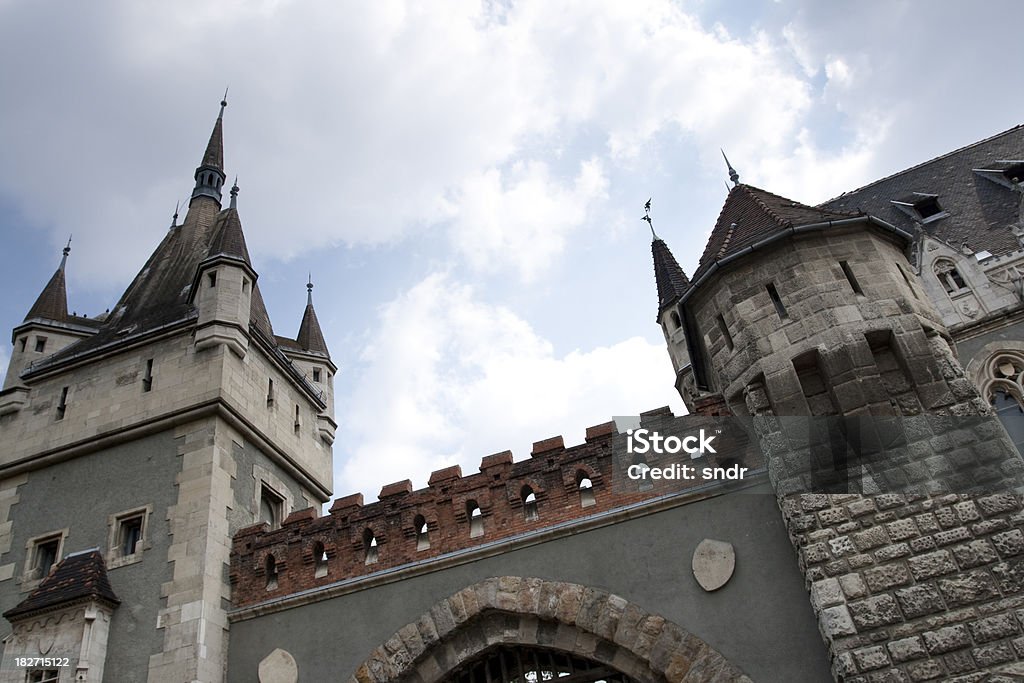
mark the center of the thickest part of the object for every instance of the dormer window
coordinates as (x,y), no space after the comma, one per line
(1006,172)
(920,206)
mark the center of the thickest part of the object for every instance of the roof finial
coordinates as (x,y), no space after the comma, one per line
(647,217)
(733,175)
(67,250)
(234,194)
(309,290)
(223,103)
(174,218)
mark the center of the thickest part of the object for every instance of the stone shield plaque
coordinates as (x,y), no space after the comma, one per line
(713,563)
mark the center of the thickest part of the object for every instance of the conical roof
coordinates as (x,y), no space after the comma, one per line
(310,337)
(671,280)
(751,214)
(52,303)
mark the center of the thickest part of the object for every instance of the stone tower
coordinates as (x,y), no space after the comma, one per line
(137,442)
(811,323)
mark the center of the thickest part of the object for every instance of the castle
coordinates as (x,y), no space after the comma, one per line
(188,449)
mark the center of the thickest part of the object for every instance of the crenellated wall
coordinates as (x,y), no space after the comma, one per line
(553,474)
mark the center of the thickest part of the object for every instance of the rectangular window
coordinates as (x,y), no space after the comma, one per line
(129,534)
(725,332)
(213,278)
(43,676)
(271,507)
(316,374)
(40,344)
(850,277)
(45,554)
(147,379)
(776,300)
(62,405)
(24,342)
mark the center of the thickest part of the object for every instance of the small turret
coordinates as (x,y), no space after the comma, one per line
(223,286)
(310,355)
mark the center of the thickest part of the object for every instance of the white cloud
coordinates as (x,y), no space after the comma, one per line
(450,378)
(353,123)
(521,218)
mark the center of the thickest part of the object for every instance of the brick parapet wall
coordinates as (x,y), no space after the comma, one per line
(553,473)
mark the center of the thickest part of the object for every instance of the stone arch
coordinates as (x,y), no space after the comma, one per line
(567,617)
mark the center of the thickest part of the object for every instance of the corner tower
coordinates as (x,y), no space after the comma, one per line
(161,428)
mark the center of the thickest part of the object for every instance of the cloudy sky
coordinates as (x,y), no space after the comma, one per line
(465,182)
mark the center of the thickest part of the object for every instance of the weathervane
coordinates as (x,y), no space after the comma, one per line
(646,216)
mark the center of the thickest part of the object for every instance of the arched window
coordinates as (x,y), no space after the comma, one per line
(476,519)
(529,499)
(370,547)
(674,322)
(319,560)
(586,488)
(949,276)
(422,533)
(271,571)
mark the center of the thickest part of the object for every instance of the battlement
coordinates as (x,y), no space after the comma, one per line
(455,512)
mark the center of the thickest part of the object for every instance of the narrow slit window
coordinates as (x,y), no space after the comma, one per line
(370,546)
(40,344)
(316,374)
(777,300)
(586,488)
(319,561)
(850,277)
(212,278)
(529,504)
(62,405)
(147,379)
(422,533)
(298,423)
(271,568)
(270,392)
(725,332)
(476,519)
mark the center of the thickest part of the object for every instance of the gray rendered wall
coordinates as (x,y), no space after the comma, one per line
(761,620)
(80,495)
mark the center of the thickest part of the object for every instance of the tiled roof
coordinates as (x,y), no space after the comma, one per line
(670,278)
(214,155)
(980,210)
(52,303)
(228,239)
(310,338)
(751,214)
(76,577)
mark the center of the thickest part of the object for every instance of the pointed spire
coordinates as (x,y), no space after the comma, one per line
(52,303)
(174,218)
(668,276)
(210,173)
(310,337)
(234,194)
(733,175)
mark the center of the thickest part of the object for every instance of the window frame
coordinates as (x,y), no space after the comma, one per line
(31,576)
(115,557)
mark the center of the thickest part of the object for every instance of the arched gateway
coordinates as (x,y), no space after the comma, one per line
(529,630)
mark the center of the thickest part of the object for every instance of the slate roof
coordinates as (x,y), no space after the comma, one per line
(670,278)
(76,577)
(980,210)
(52,303)
(310,338)
(159,294)
(751,214)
